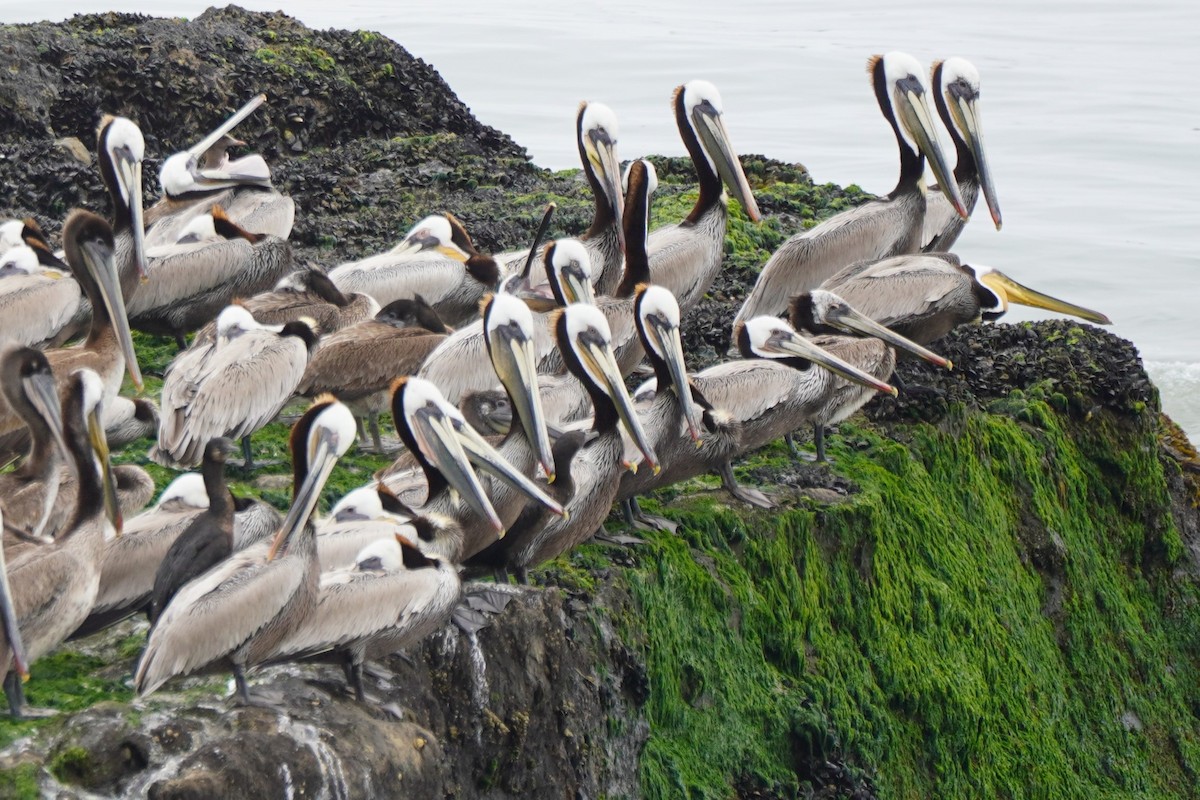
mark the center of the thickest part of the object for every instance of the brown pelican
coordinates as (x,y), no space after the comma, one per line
(36,301)
(236,614)
(583,337)
(132,559)
(12,646)
(108,349)
(203,175)
(54,585)
(362,516)
(878,229)
(30,491)
(128,420)
(307,292)
(461,364)
(392,597)
(249,374)
(596,129)
(205,542)
(436,260)
(956,93)
(193,279)
(119,151)
(361,361)
(923,297)
(686,258)
(445,447)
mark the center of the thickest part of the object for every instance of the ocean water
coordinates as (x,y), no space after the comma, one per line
(1089,109)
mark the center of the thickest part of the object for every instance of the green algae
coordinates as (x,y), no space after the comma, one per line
(991,615)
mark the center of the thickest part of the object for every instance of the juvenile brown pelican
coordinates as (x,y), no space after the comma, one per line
(686,258)
(392,597)
(207,541)
(193,279)
(132,559)
(128,420)
(307,292)
(360,362)
(583,337)
(878,229)
(108,349)
(248,376)
(203,175)
(236,614)
(30,491)
(596,130)
(436,260)
(956,95)
(36,302)
(923,297)
(12,646)
(54,585)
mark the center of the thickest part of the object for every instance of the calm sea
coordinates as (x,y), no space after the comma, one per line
(1090,112)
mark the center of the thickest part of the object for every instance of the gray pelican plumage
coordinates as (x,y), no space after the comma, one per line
(108,348)
(447,448)
(360,362)
(362,516)
(686,257)
(461,363)
(236,614)
(36,302)
(54,585)
(12,645)
(130,419)
(582,335)
(240,383)
(194,180)
(878,229)
(956,96)
(596,132)
(392,597)
(923,297)
(191,280)
(436,260)
(307,292)
(30,492)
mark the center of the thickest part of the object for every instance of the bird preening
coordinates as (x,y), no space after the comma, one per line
(505,376)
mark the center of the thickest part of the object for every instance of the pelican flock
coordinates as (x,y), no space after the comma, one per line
(504,374)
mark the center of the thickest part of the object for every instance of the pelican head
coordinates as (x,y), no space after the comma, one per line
(821,311)
(364,503)
(569,271)
(698,105)
(657,314)
(82,407)
(382,555)
(956,95)
(411,312)
(205,166)
(186,490)
(319,438)
(19,260)
(651,176)
(597,129)
(26,380)
(428,426)
(902,95)
(585,340)
(772,338)
(434,233)
(122,149)
(88,241)
(999,290)
(12,234)
(508,326)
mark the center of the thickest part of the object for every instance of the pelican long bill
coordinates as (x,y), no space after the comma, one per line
(849,319)
(1023,295)
(99,258)
(597,357)
(710,127)
(913,113)
(791,343)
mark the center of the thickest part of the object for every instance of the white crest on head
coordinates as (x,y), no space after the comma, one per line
(20,258)
(697,92)
(823,301)
(201,228)
(419,393)
(959,69)
(93,390)
(599,117)
(363,501)
(507,309)
(659,300)
(338,420)
(651,177)
(646,391)
(234,319)
(571,251)
(175,175)
(384,549)
(435,225)
(582,317)
(10,234)
(124,132)
(188,489)
(899,66)
(761,329)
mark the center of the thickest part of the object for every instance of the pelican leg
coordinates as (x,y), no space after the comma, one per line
(522,575)
(747,495)
(819,441)
(14,690)
(181,341)
(791,443)
(373,421)
(500,575)
(362,431)
(247,455)
(239,679)
(631,510)
(355,669)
